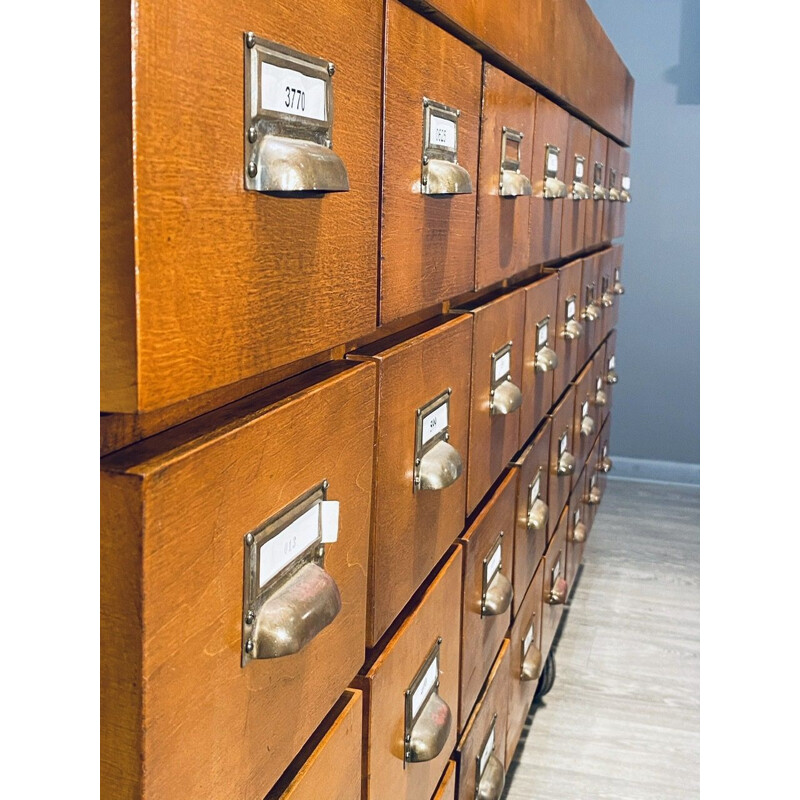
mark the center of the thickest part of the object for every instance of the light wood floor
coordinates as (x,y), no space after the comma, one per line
(622,721)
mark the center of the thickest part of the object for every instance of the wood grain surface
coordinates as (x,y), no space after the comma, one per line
(624,172)
(576,515)
(384,683)
(555,557)
(560,486)
(573,216)
(427,241)
(411,530)
(447,787)
(567,350)
(584,393)
(209,727)
(590,290)
(610,352)
(502,234)
(598,151)
(481,635)
(613,178)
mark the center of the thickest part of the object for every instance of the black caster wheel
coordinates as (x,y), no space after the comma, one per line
(547,678)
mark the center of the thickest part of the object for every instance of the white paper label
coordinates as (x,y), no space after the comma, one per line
(526,642)
(488,749)
(502,366)
(593,481)
(493,564)
(541,334)
(329,511)
(425,685)
(612,362)
(585,409)
(599,385)
(292,92)
(282,549)
(557,570)
(552,161)
(442,132)
(616,274)
(434,422)
(562,445)
(578,169)
(571,309)
(605,450)
(577,517)
(626,183)
(536,490)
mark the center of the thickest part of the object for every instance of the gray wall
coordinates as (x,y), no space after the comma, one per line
(657,401)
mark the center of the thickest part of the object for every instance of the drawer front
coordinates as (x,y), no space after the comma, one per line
(604,463)
(592,491)
(573,219)
(525,660)
(502,244)
(330,764)
(555,586)
(577,529)
(447,788)
(625,193)
(609,371)
(533,520)
(595,208)
(591,314)
(610,302)
(563,458)
(585,421)
(613,185)
(427,235)
(549,185)
(258,471)
(569,328)
(541,359)
(414,524)
(405,666)
(232,282)
(488,590)
(482,748)
(497,400)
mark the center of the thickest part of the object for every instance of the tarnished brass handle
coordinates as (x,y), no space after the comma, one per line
(607,300)
(613,194)
(579,533)
(440,467)
(591,313)
(558,593)
(580,191)
(618,288)
(587,426)
(514,184)
(611,377)
(492,781)
(286,622)
(594,497)
(600,192)
(532,665)
(506,399)
(625,196)
(554,188)
(538,514)
(546,359)
(282,164)
(600,398)
(499,594)
(429,734)
(442,177)
(605,465)
(566,464)
(571,330)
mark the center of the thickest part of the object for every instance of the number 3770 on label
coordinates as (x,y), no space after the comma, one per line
(292,92)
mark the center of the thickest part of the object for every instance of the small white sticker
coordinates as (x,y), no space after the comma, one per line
(493,564)
(442,132)
(599,385)
(557,569)
(329,521)
(527,641)
(425,685)
(488,749)
(605,450)
(292,92)
(571,308)
(541,334)
(593,481)
(502,366)
(612,362)
(616,273)
(434,422)
(626,183)
(282,549)
(536,490)
(552,161)
(585,409)
(578,169)
(577,517)
(562,445)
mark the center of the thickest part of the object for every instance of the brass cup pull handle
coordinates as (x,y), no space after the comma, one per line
(537,516)
(499,594)
(284,164)
(600,192)
(514,184)
(532,665)
(572,330)
(440,467)
(429,735)
(507,398)
(607,300)
(587,426)
(591,313)
(566,464)
(492,781)
(611,377)
(440,177)
(594,497)
(605,465)
(600,398)
(613,194)
(625,196)
(546,359)
(618,288)
(558,594)
(580,191)
(554,188)
(579,533)
(297,612)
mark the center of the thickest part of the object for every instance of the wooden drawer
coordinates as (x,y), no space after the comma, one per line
(497,401)
(541,360)
(414,524)
(549,176)
(486,602)
(427,237)
(577,528)
(592,491)
(330,763)
(585,421)
(611,214)
(569,328)
(624,190)
(555,588)
(591,313)
(502,245)
(447,786)
(562,455)
(203,282)
(525,660)
(608,370)
(598,150)
(405,674)
(604,463)
(482,747)
(533,519)
(610,301)
(181,514)
(579,193)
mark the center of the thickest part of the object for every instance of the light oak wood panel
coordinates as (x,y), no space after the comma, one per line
(447,788)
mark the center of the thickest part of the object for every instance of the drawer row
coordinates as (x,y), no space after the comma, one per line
(252,555)
(400,734)
(338,205)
